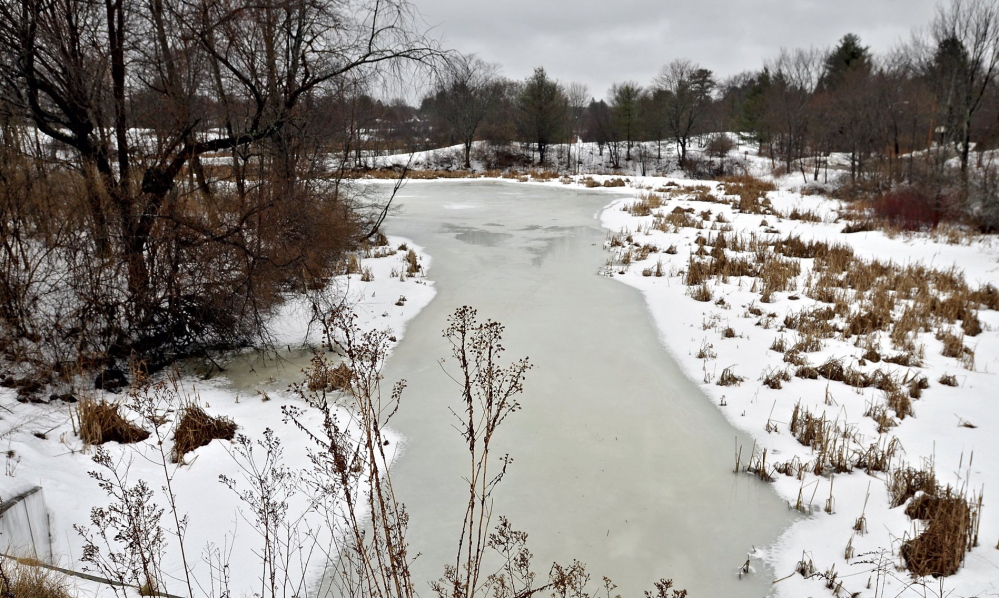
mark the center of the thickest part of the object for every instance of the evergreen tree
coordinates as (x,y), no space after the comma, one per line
(847,57)
(541,108)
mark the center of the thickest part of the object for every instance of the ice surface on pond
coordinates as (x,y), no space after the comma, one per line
(619,460)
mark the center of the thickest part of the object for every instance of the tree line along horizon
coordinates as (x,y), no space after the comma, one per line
(938,90)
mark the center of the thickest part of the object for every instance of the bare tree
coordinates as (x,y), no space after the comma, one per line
(467,93)
(135,93)
(964,64)
(794,76)
(577,95)
(688,89)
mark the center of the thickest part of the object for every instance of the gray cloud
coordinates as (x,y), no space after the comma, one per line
(600,42)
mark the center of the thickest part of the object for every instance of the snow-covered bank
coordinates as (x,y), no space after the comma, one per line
(850,539)
(42,449)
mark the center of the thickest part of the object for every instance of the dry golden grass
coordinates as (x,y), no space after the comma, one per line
(729,378)
(948,380)
(196,429)
(324,376)
(833,443)
(645,205)
(751,192)
(904,482)
(700,293)
(951,529)
(99,422)
(953,346)
(352,264)
(675,220)
(656,270)
(413,266)
(775,378)
(804,216)
(22,580)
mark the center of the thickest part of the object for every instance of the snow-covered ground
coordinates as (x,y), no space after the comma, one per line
(41,448)
(952,427)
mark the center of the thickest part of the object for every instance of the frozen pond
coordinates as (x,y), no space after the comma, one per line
(619,460)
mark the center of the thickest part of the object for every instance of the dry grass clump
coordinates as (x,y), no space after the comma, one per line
(99,422)
(656,270)
(879,413)
(676,219)
(948,380)
(904,482)
(700,293)
(832,442)
(951,530)
(953,345)
(793,246)
(804,216)
(809,430)
(729,378)
(614,183)
(352,264)
(645,205)
(22,580)
(196,429)
(807,344)
(542,175)
(413,266)
(986,297)
(775,378)
(777,274)
(907,360)
(324,377)
(863,323)
(751,191)
(879,455)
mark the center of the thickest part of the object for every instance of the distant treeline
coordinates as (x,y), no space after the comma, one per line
(886,114)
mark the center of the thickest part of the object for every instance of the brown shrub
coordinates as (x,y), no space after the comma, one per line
(196,429)
(100,422)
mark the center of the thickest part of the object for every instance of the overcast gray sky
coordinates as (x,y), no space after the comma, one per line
(601,42)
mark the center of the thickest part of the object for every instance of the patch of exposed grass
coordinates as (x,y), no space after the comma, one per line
(196,429)
(100,422)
